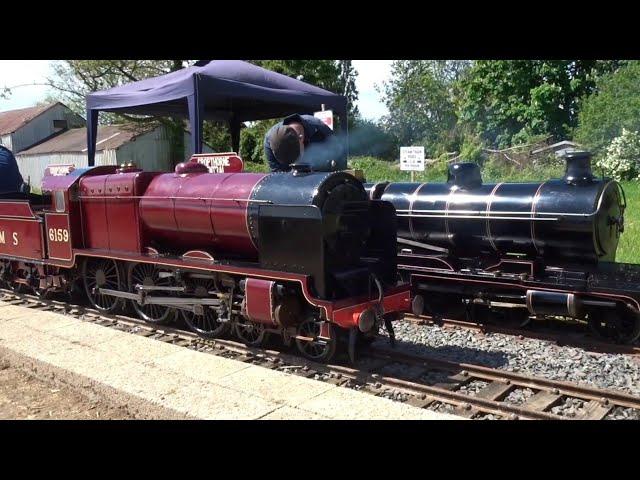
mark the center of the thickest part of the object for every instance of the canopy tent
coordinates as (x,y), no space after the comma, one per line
(232,91)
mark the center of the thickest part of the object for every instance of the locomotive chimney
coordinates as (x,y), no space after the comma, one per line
(464,175)
(578,167)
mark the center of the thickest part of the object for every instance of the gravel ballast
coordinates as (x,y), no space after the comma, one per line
(527,356)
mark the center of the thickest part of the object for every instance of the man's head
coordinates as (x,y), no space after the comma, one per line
(286,143)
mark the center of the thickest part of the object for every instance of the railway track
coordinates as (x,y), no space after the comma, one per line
(467,390)
(569,339)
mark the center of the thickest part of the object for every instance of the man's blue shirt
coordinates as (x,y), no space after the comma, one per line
(10,178)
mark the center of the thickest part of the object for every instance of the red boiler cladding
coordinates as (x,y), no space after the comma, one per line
(205,211)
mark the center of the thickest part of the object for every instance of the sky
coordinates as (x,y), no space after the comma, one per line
(28,72)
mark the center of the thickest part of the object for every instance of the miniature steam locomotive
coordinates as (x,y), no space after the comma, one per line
(305,255)
(517,250)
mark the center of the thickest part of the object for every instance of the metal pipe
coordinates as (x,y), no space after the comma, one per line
(484,212)
(474,217)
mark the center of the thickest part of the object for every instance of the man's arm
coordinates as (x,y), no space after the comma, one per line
(274,165)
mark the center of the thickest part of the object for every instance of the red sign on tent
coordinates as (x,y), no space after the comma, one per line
(228,162)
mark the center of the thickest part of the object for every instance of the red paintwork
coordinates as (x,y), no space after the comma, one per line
(110,210)
(65,182)
(55,226)
(21,238)
(190,167)
(94,212)
(201,211)
(16,209)
(396,302)
(259,298)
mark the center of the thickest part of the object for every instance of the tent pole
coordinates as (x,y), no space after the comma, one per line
(234,130)
(195,118)
(92,135)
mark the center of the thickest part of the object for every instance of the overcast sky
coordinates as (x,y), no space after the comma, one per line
(21,72)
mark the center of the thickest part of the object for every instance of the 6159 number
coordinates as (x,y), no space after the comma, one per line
(58,234)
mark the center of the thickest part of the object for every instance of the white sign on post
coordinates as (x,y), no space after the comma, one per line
(412,159)
(326,116)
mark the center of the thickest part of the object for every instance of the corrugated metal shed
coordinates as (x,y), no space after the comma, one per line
(12,120)
(110,137)
(148,148)
(23,128)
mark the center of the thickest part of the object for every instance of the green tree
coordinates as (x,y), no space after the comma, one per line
(420,99)
(74,79)
(507,101)
(337,76)
(614,106)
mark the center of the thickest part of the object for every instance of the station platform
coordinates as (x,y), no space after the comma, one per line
(157,380)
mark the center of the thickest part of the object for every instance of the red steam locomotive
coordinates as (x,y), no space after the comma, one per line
(305,255)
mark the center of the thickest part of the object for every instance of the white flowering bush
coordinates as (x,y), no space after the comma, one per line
(622,160)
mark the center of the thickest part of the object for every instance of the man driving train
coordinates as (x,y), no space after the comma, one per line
(303,138)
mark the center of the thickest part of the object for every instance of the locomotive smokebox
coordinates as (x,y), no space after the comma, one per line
(578,167)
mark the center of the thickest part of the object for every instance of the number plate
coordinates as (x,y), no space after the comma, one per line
(58,235)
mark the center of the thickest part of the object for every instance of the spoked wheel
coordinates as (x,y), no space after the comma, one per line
(314,348)
(102,273)
(621,325)
(148,275)
(251,333)
(206,324)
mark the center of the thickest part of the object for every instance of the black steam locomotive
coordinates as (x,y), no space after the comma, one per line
(518,250)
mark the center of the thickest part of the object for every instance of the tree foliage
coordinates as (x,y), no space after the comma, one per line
(74,79)
(508,101)
(615,105)
(420,99)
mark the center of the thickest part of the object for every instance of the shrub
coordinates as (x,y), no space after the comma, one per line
(622,158)
(615,104)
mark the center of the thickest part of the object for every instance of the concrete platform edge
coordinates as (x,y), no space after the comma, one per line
(138,407)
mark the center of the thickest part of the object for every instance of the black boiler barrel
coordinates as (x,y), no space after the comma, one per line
(577,217)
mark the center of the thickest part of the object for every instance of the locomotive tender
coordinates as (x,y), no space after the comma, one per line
(520,250)
(305,255)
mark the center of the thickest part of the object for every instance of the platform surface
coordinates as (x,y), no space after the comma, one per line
(160,380)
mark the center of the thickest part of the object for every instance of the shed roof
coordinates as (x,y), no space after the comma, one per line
(12,120)
(110,137)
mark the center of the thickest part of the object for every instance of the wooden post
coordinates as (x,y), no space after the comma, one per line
(412,176)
